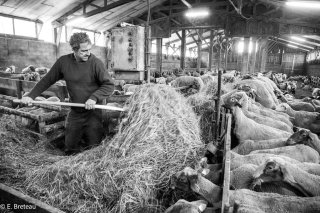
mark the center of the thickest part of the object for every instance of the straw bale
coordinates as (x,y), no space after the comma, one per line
(131,173)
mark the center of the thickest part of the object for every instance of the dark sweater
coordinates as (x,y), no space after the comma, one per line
(85,80)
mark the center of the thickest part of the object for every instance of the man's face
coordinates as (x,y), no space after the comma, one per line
(84,52)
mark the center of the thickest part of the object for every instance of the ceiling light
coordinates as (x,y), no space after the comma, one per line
(298,38)
(304,4)
(290,45)
(197,13)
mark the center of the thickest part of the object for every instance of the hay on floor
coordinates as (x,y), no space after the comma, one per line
(131,173)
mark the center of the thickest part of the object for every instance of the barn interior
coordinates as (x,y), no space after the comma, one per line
(215,107)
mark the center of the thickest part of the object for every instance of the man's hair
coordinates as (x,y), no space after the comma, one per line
(77,38)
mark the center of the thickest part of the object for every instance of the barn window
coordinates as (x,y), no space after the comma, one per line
(6,25)
(25,28)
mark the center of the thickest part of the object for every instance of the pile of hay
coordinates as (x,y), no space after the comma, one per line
(203,104)
(131,173)
(19,152)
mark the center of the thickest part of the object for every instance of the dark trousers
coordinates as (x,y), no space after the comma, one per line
(85,125)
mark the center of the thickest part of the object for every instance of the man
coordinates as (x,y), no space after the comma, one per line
(87,82)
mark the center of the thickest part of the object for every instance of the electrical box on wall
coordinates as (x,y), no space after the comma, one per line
(127,50)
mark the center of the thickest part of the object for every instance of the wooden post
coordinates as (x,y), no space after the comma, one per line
(245,56)
(183,49)
(293,61)
(159,56)
(217,103)
(199,43)
(211,49)
(262,59)
(226,54)
(19,89)
(253,55)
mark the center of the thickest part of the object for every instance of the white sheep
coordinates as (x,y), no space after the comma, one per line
(261,119)
(183,206)
(278,169)
(304,119)
(305,136)
(247,129)
(299,152)
(243,200)
(248,146)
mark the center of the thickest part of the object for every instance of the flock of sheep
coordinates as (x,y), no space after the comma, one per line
(274,157)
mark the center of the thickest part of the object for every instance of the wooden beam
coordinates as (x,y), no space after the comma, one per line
(108,7)
(62,19)
(211,49)
(21,18)
(159,55)
(245,56)
(199,43)
(183,49)
(183,7)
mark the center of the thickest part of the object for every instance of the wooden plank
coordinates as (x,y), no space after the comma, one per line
(16,201)
(53,127)
(227,160)
(8,110)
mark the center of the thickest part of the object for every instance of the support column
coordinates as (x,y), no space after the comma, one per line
(245,56)
(199,43)
(226,54)
(253,55)
(264,54)
(159,56)
(211,49)
(183,50)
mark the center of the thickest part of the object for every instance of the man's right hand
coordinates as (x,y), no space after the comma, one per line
(26,100)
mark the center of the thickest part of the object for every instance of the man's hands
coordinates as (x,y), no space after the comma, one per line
(26,100)
(90,104)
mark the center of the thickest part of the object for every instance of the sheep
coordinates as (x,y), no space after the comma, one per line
(309,120)
(242,178)
(190,180)
(248,146)
(183,206)
(299,152)
(261,119)
(246,129)
(306,137)
(246,104)
(257,159)
(301,106)
(316,92)
(277,169)
(265,97)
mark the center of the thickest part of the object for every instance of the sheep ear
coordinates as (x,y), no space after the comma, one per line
(287,176)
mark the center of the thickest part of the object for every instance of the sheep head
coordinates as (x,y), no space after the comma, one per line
(273,170)
(190,207)
(185,180)
(283,107)
(302,136)
(236,99)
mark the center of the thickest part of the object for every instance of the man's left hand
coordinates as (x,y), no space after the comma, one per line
(90,104)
